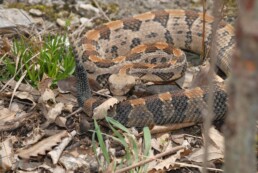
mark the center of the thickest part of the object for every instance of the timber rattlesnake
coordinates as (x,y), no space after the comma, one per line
(107,49)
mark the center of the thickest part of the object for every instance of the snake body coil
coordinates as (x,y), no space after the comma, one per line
(107,49)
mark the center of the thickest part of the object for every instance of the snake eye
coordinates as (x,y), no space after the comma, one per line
(163,60)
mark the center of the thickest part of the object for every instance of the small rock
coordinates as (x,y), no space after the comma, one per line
(33,2)
(36,12)
(120,84)
(59,4)
(87,10)
(87,22)
(61,22)
(88,7)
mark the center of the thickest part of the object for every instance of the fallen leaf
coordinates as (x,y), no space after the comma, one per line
(168,163)
(213,154)
(57,151)
(101,111)
(72,163)
(6,153)
(6,115)
(217,139)
(67,85)
(42,147)
(25,96)
(54,112)
(47,97)
(44,84)
(34,137)
(23,87)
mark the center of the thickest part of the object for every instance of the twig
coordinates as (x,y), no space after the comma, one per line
(100,94)
(17,86)
(203,30)
(173,150)
(74,112)
(15,123)
(195,166)
(101,10)
(209,114)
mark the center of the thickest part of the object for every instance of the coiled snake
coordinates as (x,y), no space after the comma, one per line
(140,46)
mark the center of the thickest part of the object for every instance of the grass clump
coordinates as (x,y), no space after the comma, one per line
(133,151)
(52,57)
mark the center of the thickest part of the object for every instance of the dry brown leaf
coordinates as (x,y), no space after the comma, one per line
(6,153)
(16,107)
(52,168)
(101,111)
(155,144)
(213,154)
(71,162)
(57,151)
(44,83)
(34,137)
(168,163)
(69,101)
(217,139)
(22,87)
(61,121)
(164,142)
(25,96)
(6,45)
(67,85)
(202,77)
(186,80)
(6,115)
(28,166)
(178,139)
(42,147)
(47,97)
(54,112)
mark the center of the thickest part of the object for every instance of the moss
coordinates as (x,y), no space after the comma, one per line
(112,8)
(49,11)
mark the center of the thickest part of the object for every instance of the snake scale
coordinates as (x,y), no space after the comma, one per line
(102,51)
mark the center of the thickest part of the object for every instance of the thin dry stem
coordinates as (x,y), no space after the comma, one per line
(101,10)
(203,30)
(208,115)
(172,150)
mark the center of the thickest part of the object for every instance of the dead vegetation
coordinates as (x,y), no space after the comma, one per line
(42,128)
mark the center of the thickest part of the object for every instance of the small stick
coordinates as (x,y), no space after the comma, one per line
(101,10)
(196,166)
(203,30)
(74,112)
(172,150)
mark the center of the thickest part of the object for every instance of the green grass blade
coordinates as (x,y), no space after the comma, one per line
(117,124)
(101,142)
(147,140)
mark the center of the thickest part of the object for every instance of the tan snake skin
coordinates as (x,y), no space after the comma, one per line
(107,49)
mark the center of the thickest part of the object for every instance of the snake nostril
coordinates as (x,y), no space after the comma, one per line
(154,61)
